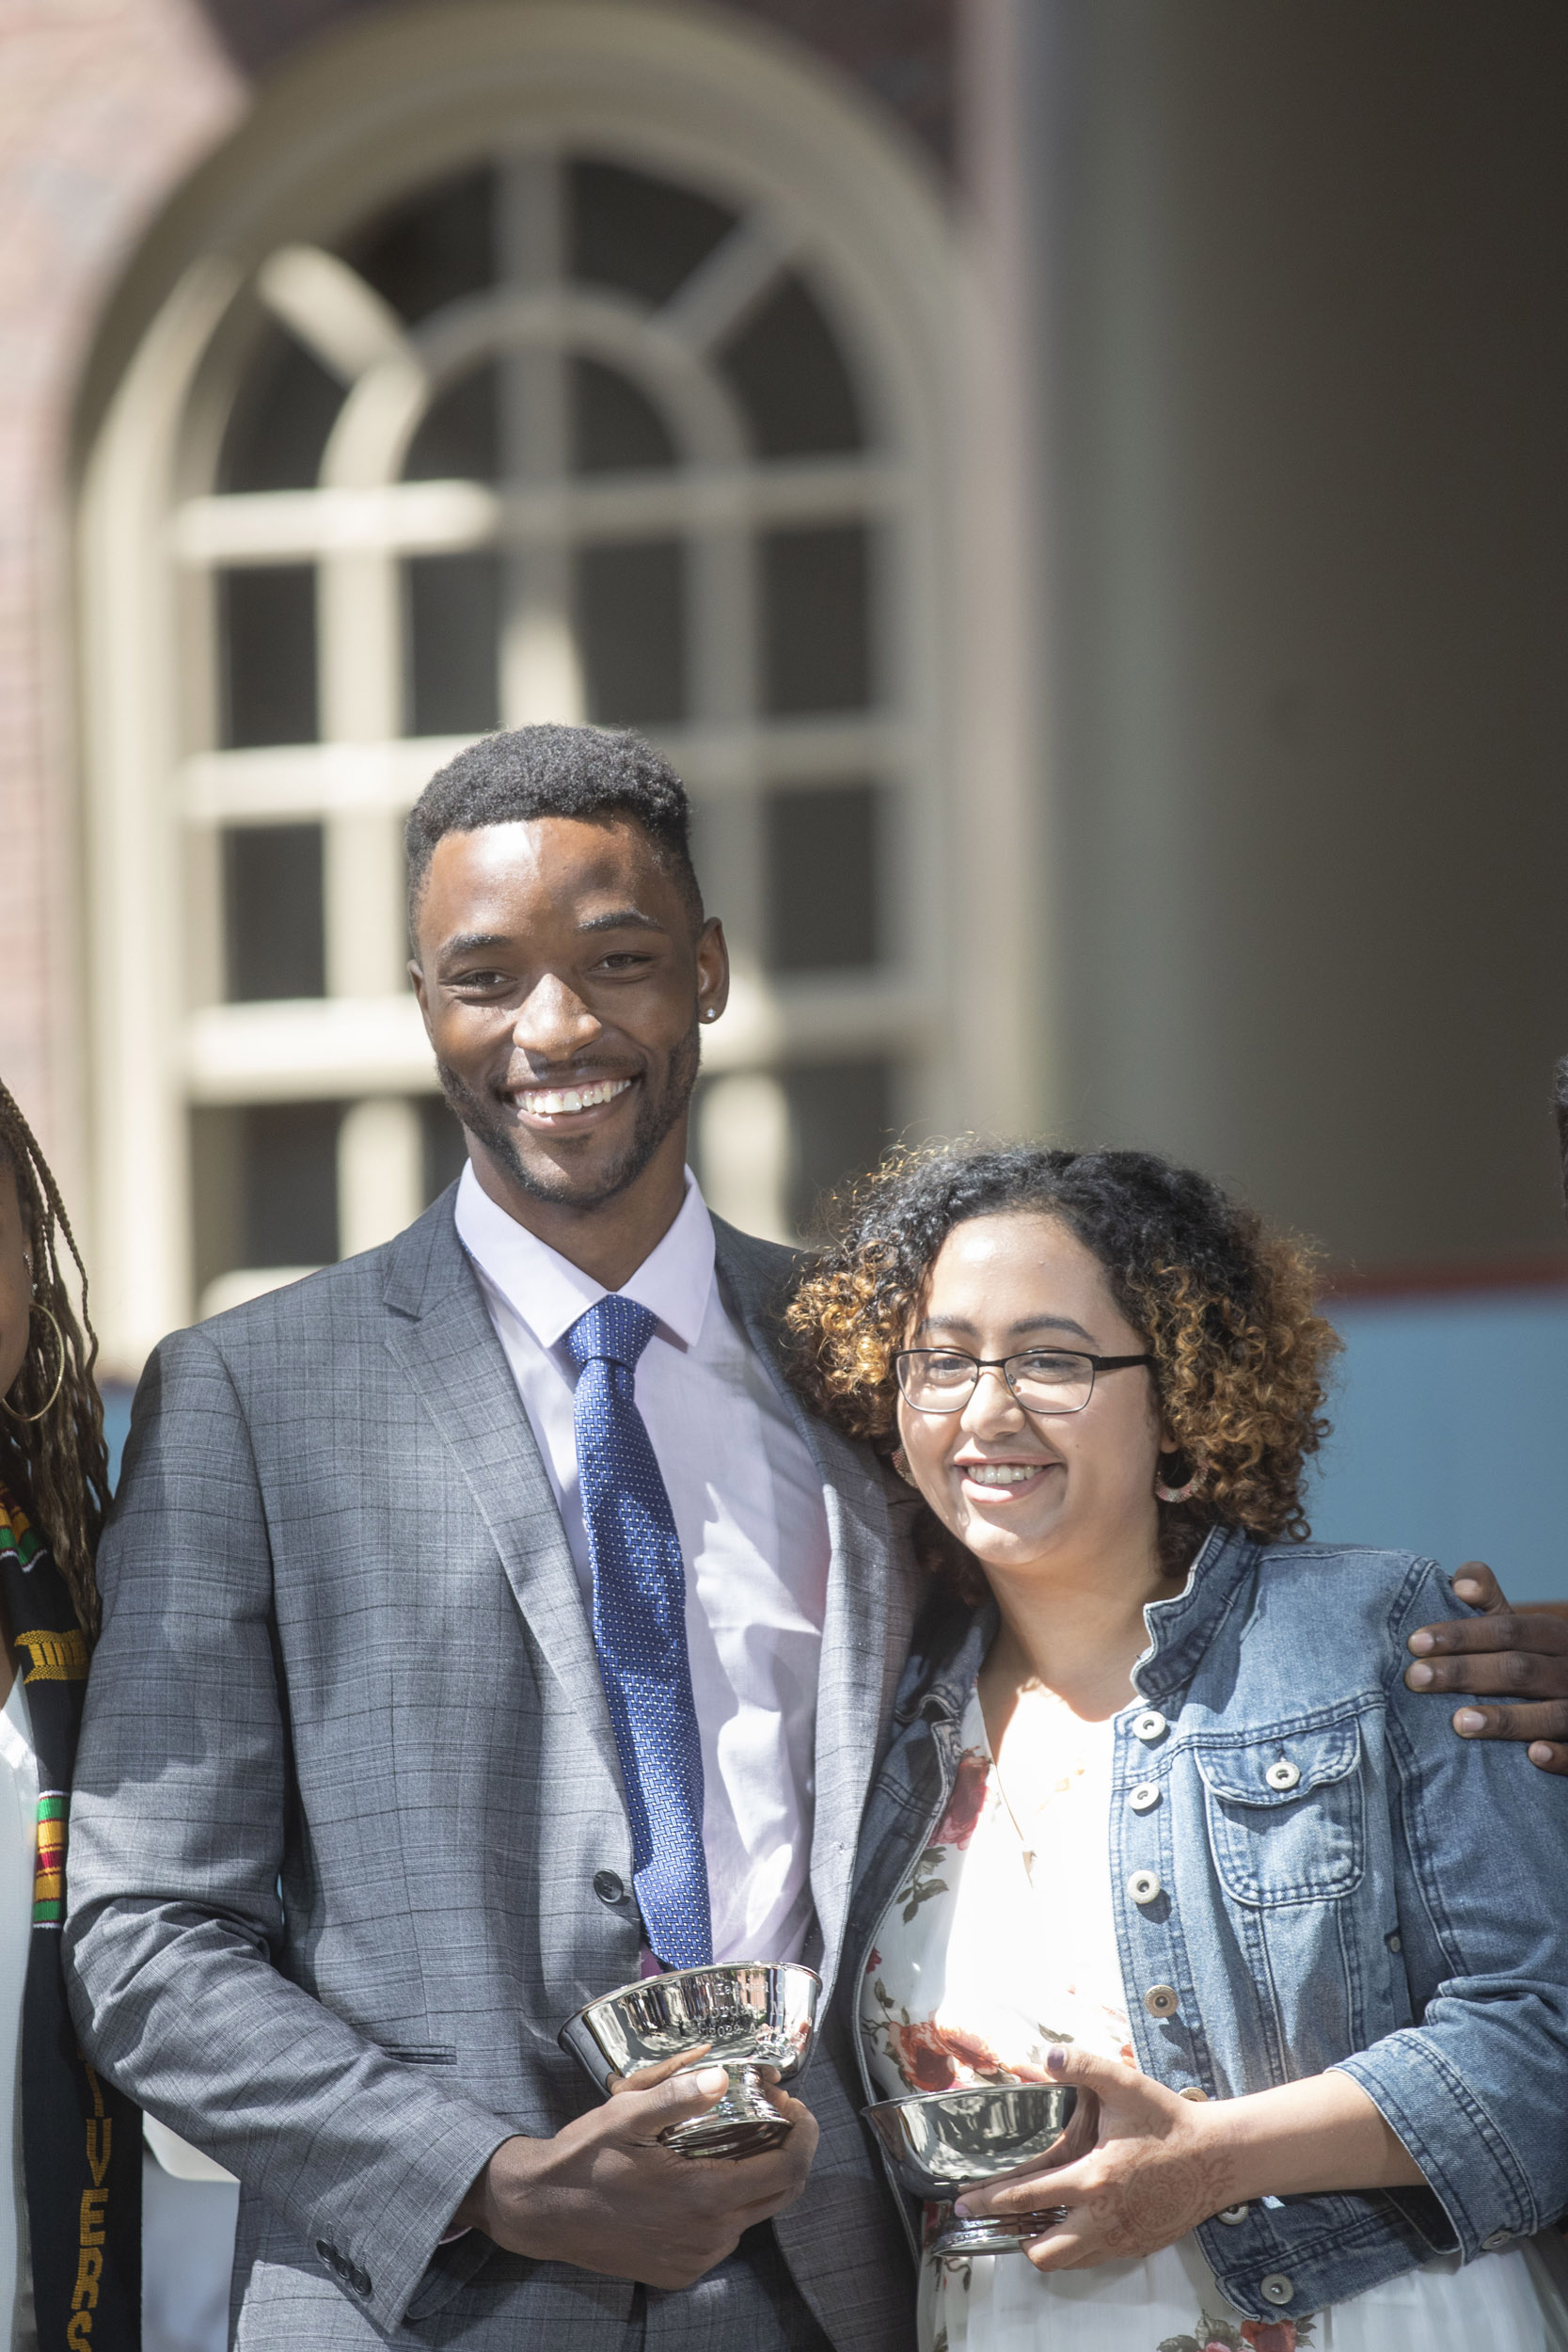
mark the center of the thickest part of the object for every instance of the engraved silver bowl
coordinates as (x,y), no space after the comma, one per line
(742,2015)
(941,2143)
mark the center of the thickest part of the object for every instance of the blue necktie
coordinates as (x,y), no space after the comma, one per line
(640,1631)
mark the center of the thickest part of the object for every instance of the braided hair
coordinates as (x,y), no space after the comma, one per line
(57,1466)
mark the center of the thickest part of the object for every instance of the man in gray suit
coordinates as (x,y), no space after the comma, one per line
(483,1622)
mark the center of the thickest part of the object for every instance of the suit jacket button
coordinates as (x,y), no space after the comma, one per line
(359,2280)
(1276,2288)
(608,1888)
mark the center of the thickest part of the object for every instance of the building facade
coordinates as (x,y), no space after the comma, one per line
(495,363)
(1075,489)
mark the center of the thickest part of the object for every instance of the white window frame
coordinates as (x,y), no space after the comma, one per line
(814,177)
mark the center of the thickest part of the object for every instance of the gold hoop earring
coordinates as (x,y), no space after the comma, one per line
(36,1306)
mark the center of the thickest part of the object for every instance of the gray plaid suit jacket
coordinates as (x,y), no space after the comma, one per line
(345,1784)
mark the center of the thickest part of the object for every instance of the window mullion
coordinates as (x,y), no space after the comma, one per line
(359,619)
(743,1127)
(360,664)
(541,672)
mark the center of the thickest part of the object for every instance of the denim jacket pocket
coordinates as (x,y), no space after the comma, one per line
(1285,1812)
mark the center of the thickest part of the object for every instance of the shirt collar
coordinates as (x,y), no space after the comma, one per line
(548,1293)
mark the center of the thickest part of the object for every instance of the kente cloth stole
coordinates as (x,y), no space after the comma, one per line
(81,2140)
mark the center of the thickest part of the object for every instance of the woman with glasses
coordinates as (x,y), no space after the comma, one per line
(1159,1819)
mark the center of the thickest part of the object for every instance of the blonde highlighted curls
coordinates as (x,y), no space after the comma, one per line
(1226,1307)
(54,1461)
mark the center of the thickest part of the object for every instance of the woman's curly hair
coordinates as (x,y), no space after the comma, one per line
(1226,1307)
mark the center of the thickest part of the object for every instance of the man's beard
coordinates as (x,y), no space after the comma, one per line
(655,1117)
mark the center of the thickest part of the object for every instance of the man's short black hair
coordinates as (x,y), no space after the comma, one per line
(555,772)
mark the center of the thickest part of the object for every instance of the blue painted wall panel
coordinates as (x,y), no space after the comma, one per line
(1451,1434)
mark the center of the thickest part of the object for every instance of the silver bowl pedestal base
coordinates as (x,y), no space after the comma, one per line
(993,2233)
(745,2123)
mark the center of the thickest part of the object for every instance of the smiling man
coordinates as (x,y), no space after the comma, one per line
(486,1625)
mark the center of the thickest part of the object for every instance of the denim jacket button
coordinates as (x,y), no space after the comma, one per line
(1145,1797)
(1161,2000)
(1283,1774)
(1200,2099)
(1232,2214)
(1144,1886)
(1498,2239)
(1150,1726)
(1276,2288)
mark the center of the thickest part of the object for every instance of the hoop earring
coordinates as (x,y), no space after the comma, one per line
(900,1461)
(1178,1494)
(36,1306)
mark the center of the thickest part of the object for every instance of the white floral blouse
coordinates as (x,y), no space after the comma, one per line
(998,1945)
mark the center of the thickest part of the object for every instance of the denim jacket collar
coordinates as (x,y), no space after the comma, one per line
(944,1663)
(941,1673)
(1180,1629)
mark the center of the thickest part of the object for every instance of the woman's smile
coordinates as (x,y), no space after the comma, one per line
(1007,1481)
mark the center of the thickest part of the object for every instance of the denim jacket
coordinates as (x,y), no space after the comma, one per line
(1341,1883)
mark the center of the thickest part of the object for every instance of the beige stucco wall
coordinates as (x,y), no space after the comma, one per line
(1311,351)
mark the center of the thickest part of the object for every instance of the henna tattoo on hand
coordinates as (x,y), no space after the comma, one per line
(1159,2200)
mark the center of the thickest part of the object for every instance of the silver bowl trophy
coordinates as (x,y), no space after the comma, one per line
(749,2015)
(941,2143)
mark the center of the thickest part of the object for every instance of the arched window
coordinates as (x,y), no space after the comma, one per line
(595,407)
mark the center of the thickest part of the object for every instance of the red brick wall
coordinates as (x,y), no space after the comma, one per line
(103,103)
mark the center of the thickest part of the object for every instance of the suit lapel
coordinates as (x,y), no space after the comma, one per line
(870,1613)
(440,1332)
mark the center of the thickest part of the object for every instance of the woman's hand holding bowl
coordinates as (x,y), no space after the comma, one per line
(1152,2169)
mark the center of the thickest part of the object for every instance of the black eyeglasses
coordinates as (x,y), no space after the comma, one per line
(1043,1379)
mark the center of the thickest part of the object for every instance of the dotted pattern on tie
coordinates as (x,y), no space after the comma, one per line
(640,1631)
